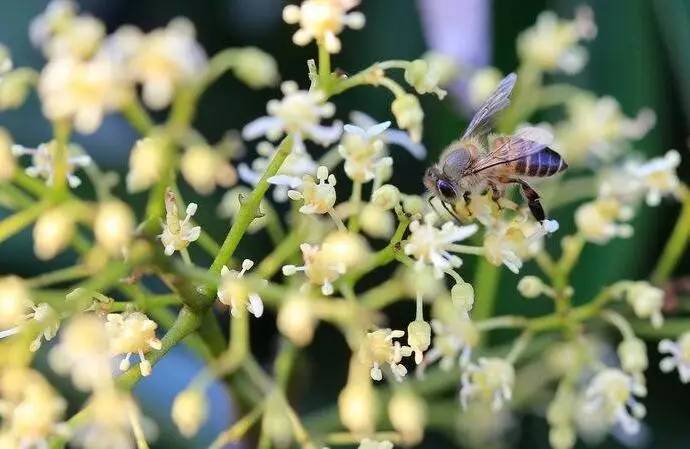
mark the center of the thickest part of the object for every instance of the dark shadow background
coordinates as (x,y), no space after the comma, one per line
(641,57)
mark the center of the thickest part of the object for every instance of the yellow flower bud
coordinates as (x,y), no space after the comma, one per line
(377,222)
(189,411)
(114,226)
(386,197)
(408,414)
(344,247)
(462,295)
(530,286)
(409,115)
(146,162)
(296,320)
(8,164)
(53,231)
(256,68)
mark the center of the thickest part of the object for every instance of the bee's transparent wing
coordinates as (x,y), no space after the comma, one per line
(523,143)
(480,125)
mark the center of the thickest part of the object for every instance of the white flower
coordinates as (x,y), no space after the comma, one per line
(597,128)
(598,221)
(129,333)
(108,418)
(647,301)
(658,176)
(235,292)
(81,91)
(43,165)
(378,348)
(632,353)
(323,20)
(434,246)
(512,242)
(490,381)
(83,352)
(59,32)
(612,394)
(17,309)
(389,136)
(162,60)
(424,77)
(321,267)
(678,356)
(409,115)
(419,338)
(551,44)
(178,233)
(319,198)
(299,113)
(363,151)
(295,166)
(146,163)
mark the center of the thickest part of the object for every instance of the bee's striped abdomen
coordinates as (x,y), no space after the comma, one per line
(544,163)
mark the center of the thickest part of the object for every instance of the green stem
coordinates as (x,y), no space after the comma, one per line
(675,245)
(286,248)
(137,116)
(355,205)
(324,69)
(58,276)
(16,222)
(486,283)
(250,207)
(61,131)
(239,429)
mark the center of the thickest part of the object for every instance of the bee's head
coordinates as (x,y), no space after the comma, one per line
(439,185)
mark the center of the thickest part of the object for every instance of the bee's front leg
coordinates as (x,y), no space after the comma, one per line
(496,194)
(467,198)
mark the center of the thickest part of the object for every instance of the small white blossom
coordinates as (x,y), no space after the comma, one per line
(323,20)
(321,267)
(646,300)
(363,150)
(512,242)
(319,198)
(658,176)
(386,197)
(425,78)
(162,60)
(434,246)
(551,44)
(379,348)
(235,292)
(419,338)
(299,113)
(81,91)
(489,381)
(597,129)
(43,165)
(409,115)
(612,394)
(289,176)
(678,356)
(389,136)
(632,353)
(60,32)
(178,233)
(130,333)
(600,220)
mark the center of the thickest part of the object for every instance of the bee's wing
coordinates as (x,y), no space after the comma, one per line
(523,143)
(499,100)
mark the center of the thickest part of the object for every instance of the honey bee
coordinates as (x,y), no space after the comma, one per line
(478,161)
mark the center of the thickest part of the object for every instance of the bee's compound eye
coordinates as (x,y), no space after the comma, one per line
(446,190)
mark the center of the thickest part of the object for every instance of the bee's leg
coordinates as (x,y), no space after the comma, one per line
(496,194)
(532,198)
(467,198)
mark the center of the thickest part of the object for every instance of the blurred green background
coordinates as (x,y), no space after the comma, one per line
(641,57)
